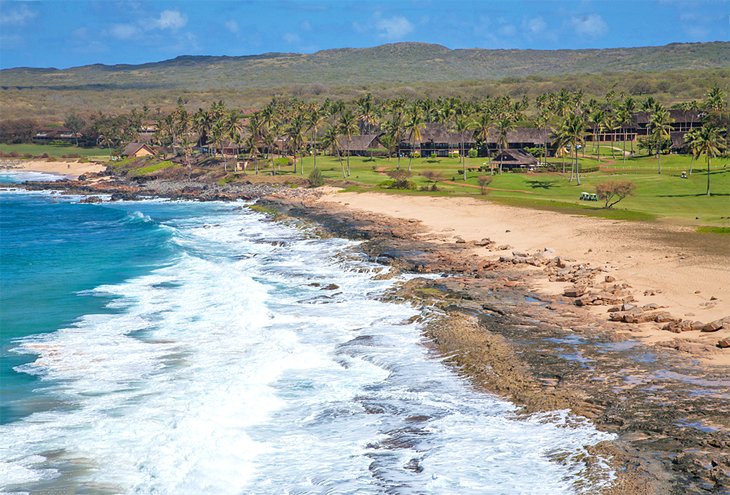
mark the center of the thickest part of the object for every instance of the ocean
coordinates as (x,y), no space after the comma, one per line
(188,348)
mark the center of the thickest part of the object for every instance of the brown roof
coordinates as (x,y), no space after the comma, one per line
(523,135)
(438,133)
(515,157)
(361,142)
(676,114)
(133,148)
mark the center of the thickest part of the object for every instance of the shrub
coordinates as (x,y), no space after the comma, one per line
(473,153)
(454,154)
(614,191)
(283,162)
(400,179)
(416,154)
(432,175)
(315,178)
(484,181)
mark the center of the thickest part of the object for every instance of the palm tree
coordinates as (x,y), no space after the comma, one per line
(234,131)
(708,141)
(331,141)
(611,124)
(628,109)
(573,133)
(366,112)
(690,139)
(504,125)
(201,124)
(316,118)
(483,128)
(295,134)
(596,117)
(413,126)
(254,128)
(661,127)
(348,128)
(462,124)
(715,100)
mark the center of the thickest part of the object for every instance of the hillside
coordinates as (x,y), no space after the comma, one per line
(392,63)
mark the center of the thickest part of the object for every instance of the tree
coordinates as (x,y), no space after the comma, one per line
(661,127)
(413,127)
(202,123)
(315,120)
(295,134)
(715,100)
(628,109)
(348,128)
(614,191)
(572,133)
(366,112)
(331,141)
(596,117)
(463,125)
(483,128)
(74,123)
(504,125)
(254,130)
(708,141)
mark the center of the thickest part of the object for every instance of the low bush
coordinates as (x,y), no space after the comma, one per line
(315,178)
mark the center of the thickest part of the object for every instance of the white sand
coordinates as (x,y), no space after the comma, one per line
(70,169)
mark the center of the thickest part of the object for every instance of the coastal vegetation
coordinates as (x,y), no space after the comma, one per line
(564,142)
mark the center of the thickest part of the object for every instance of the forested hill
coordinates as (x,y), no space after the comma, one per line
(391,63)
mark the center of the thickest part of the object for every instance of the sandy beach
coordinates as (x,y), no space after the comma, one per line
(682,272)
(71,169)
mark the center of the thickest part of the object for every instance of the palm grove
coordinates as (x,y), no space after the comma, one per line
(287,129)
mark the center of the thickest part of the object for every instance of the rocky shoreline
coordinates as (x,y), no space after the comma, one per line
(543,352)
(672,414)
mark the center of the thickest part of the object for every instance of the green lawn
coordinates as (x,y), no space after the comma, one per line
(53,150)
(656,196)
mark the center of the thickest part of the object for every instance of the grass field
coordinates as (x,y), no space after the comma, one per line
(657,196)
(53,150)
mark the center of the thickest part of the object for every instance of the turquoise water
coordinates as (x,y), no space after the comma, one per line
(51,252)
(187,348)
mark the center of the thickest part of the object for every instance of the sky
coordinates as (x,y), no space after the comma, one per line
(67,33)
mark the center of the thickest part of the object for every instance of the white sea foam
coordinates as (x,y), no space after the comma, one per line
(10,175)
(230,371)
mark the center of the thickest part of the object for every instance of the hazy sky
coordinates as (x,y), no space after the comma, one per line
(64,33)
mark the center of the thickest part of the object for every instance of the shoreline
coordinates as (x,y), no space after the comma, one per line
(542,352)
(553,354)
(63,168)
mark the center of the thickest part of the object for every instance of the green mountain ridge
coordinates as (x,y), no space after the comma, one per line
(391,63)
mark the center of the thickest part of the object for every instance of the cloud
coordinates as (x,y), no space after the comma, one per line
(591,25)
(232,26)
(536,25)
(507,30)
(393,28)
(171,19)
(291,38)
(17,16)
(124,31)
